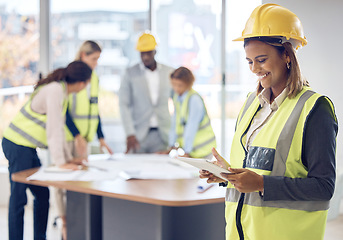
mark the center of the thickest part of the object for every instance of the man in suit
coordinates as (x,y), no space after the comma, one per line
(143,100)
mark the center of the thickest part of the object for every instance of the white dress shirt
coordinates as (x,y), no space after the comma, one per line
(265,113)
(153,81)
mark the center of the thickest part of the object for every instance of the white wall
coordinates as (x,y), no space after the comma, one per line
(321,60)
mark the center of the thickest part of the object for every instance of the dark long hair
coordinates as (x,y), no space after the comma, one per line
(76,71)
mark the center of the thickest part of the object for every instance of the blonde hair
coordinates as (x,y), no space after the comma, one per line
(295,81)
(88,47)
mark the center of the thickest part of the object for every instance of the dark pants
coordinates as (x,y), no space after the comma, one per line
(22,158)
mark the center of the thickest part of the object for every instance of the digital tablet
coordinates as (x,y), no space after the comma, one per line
(204,164)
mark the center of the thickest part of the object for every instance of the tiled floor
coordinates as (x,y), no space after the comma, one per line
(334,229)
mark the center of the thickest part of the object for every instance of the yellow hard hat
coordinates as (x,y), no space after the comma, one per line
(146,43)
(272,20)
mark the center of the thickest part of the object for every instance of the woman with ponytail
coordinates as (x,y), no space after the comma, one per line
(40,124)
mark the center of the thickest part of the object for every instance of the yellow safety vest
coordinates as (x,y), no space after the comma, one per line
(276,151)
(204,139)
(83,108)
(28,128)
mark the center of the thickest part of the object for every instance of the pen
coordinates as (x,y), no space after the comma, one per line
(203,185)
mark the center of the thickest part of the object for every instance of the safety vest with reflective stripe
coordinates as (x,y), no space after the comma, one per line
(28,128)
(275,151)
(83,108)
(204,139)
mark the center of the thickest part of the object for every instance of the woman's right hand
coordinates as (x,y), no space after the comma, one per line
(167,151)
(162,152)
(81,145)
(79,160)
(72,166)
(210,177)
(220,161)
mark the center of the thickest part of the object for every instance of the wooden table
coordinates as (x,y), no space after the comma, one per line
(139,209)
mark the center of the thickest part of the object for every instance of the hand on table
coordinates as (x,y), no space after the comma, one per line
(81,145)
(79,160)
(76,163)
(104,146)
(71,166)
(163,152)
(132,144)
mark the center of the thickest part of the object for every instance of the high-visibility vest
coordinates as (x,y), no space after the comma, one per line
(28,128)
(276,151)
(204,139)
(83,108)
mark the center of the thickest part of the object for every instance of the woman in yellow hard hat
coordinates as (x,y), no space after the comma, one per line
(283,151)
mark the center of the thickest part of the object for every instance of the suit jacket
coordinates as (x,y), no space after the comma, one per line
(135,103)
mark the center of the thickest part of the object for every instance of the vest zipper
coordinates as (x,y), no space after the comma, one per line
(242,197)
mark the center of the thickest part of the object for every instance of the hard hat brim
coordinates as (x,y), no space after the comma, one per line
(303,41)
(141,49)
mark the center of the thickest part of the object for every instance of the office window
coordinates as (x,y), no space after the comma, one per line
(19,56)
(239,79)
(115,25)
(189,33)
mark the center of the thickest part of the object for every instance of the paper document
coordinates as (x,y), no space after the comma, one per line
(127,166)
(44,174)
(163,170)
(48,174)
(130,175)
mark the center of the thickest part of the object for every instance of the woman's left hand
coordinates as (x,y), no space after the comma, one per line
(244,180)
(78,160)
(72,166)
(103,145)
(186,155)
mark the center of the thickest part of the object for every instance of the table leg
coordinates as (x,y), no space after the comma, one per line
(127,220)
(83,216)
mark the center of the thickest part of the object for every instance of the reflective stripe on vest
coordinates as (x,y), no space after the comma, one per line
(28,128)
(83,108)
(278,142)
(204,139)
(35,120)
(248,102)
